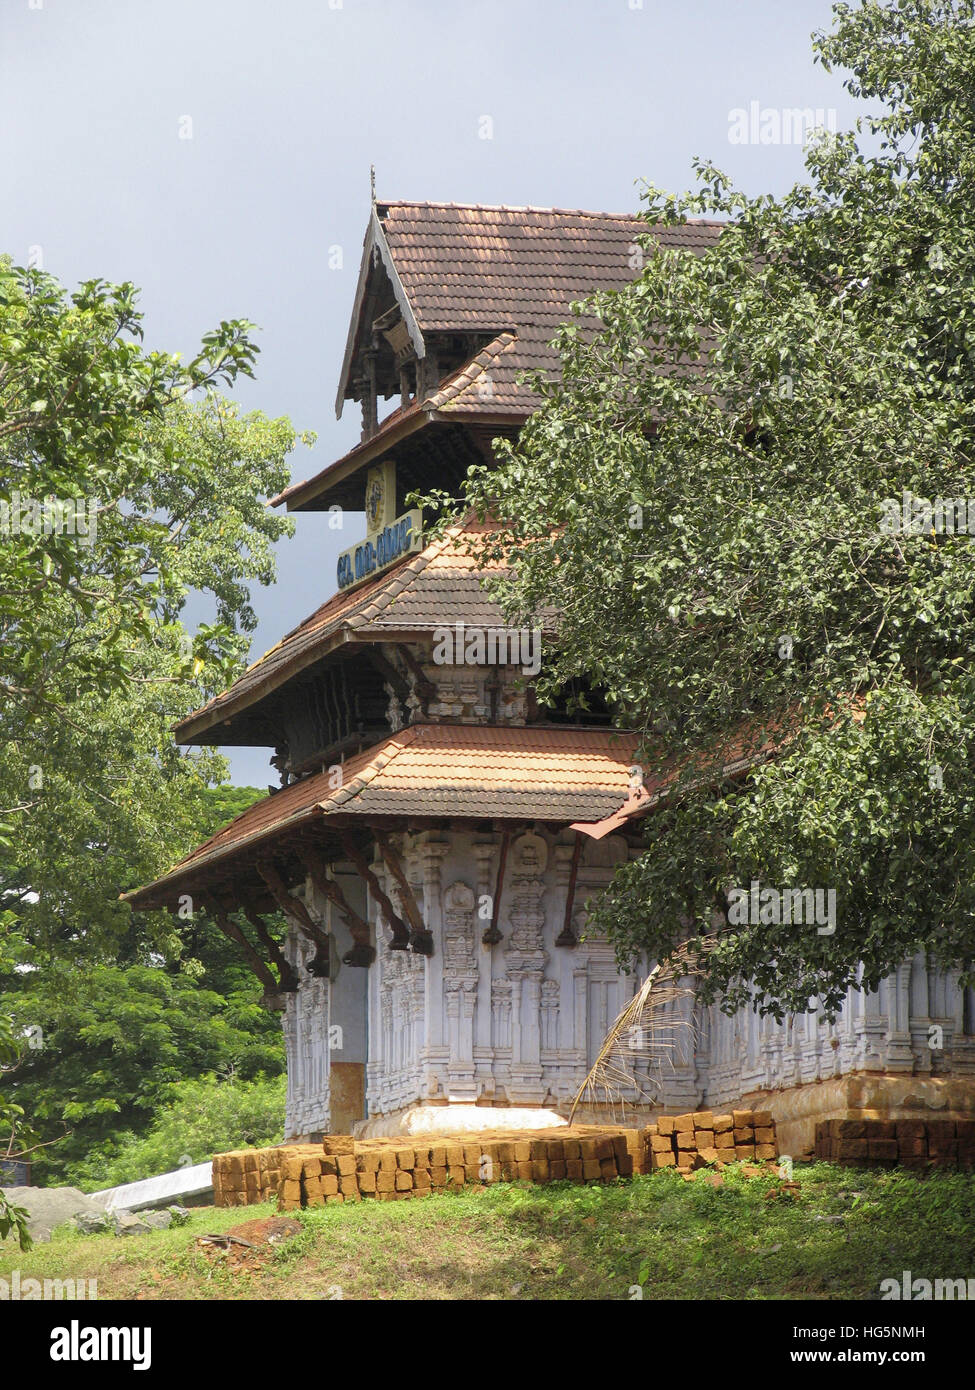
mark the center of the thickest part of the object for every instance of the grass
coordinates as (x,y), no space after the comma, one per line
(749,1238)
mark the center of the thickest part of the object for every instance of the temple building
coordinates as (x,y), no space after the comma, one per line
(431,844)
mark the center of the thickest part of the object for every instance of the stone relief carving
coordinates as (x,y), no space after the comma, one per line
(524,950)
(550,1014)
(501,1013)
(459,949)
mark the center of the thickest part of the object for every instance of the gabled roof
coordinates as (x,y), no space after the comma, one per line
(468,268)
(437,587)
(451,772)
(506,271)
(471,266)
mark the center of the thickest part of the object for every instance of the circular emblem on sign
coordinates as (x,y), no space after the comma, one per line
(374,502)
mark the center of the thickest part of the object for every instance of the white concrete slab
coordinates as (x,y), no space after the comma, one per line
(159,1191)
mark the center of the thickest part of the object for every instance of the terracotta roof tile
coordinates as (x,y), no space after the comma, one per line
(503,267)
(510,271)
(514,269)
(436,586)
(458,772)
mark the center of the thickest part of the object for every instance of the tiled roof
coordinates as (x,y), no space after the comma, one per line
(436,587)
(511,271)
(483,384)
(447,771)
(475,267)
(514,269)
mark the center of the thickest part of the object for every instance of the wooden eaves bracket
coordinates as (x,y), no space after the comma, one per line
(363,952)
(286,971)
(295,910)
(421,938)
(272,988)
(401,932)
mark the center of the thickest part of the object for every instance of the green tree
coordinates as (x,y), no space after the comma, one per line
(707,498)
(127,483)
(116,1039)
(198,1118)
(145,1012)
(12,1217)
(80,404)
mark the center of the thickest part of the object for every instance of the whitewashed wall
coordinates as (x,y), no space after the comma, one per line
(520,1022)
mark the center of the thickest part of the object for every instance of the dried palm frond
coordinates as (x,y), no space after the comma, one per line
(643,1034)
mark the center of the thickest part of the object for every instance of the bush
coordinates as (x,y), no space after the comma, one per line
(205,1115)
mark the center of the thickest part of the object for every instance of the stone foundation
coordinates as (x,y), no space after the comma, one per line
(456,1119)
(921,1144)
(866,1096)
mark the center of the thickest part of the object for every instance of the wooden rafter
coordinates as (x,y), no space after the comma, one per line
(424,686)
(233,933)
(286,971)
(388,671)
(363,952)
(492,935)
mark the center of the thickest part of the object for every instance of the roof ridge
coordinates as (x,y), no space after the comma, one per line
(532,207)
(497,207)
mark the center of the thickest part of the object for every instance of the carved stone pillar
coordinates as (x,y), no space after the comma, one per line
(460,986)
(501,1015)
(525,958)
(898,1052)
(428,855)
(550,1015)
(305,1026)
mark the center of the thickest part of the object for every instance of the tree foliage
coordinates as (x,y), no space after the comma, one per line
(706,497)
(128,483)
(199,1117)
(106,1043)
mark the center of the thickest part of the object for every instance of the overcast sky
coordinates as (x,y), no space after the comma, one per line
(290,101)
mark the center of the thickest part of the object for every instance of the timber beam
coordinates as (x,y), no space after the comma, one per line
(395,679)
(233,933)
(492,935)
(286,971)
(401,932)
(425,688)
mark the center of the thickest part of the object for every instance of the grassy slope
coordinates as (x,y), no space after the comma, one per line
(685,1240)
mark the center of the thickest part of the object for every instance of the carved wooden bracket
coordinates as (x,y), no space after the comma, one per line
(388,672)
(492,935)
(363,952)
(320,964)
(401,932)
(233,933)
(567,936)
(421,939)
(286,971)
(425,688)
